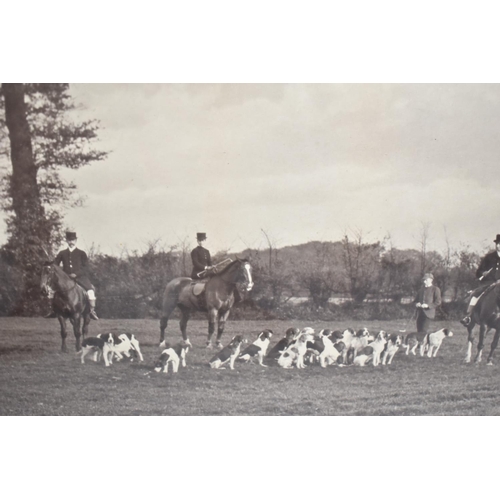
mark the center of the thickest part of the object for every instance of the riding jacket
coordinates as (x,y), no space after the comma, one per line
(490,261)
(430,295)
(75,262)
(201,258)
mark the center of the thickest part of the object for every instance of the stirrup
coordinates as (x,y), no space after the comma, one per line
(51,314)
(93,315)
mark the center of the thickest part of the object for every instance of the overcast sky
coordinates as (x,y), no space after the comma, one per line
(302,162)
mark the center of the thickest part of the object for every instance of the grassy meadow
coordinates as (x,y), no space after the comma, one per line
(37,379)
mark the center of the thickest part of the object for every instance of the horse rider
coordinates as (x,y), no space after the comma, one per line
(427,300)
(74,264)
(200,256)
(488,273)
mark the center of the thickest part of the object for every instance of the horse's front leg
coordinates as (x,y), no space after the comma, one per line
(480,343)
(222,317)
(77,322)
(470,343)
(494,345)
(212,318)
(64,334)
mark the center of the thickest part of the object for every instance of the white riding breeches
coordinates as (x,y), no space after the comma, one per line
(91,294)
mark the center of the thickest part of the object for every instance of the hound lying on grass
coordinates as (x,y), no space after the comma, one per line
(295,352)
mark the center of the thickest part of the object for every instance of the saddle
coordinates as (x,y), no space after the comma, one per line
(198,287)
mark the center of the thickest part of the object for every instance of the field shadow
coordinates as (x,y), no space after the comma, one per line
(15,349)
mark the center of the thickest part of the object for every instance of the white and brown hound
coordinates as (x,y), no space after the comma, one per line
(435,339)
(295,352)
(228,354)
(372,351)
(391,348)
(257,350)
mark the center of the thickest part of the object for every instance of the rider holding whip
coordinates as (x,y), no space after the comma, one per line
(488,273)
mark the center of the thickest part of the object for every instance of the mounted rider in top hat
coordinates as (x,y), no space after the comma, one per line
(488,273)
(74,264)
(200,256)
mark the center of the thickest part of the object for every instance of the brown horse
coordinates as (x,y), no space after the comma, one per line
(217,299)
(486,314)
(69,302)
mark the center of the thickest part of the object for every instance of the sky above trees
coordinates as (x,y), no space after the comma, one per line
(301,161)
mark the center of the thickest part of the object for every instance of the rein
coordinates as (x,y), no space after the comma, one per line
(227,281)
(60,290)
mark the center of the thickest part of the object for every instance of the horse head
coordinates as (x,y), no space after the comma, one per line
(46,278)
(244,276)
(239,273)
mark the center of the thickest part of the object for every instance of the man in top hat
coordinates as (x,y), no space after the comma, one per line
(74,264)
(427,300)
(200,257)
(488,273)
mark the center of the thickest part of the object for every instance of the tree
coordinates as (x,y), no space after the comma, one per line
(362,266)
(58,142)
(42,139)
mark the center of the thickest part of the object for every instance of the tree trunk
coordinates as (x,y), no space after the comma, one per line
(28,227)
(23,184)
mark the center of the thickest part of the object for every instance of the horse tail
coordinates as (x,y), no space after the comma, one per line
(171,295)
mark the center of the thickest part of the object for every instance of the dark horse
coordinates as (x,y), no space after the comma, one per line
(217,298)
(486,314)
(69,301)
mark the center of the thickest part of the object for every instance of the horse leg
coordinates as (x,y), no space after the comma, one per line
(168,306)
(470,342)
(493,346)
(480,343)
(77,322)
(64,334)
(221,325)
(163,326)
(85,328)
(186,313)
(212,317)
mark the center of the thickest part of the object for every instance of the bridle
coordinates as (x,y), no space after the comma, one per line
(247,282)
(51,278)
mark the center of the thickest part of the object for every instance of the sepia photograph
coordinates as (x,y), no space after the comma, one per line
(251,249)
(233,214)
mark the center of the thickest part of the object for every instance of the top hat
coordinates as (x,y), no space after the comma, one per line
(201,236)
(497,239)
(70,235)
(427,276)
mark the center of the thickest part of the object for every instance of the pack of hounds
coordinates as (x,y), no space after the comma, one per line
(298,348)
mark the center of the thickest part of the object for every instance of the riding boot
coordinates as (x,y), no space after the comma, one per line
(93,315)
(466,320)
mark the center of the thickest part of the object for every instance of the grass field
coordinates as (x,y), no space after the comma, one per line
(37,379)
